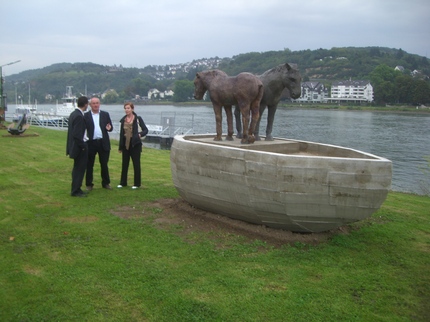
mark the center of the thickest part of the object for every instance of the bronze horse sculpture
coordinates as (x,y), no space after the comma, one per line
(244,91)
(275,80)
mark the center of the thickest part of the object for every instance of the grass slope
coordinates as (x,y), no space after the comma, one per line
(70,259)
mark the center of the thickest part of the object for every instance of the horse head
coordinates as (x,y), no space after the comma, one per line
(203,79)
(293,81)
(199,86)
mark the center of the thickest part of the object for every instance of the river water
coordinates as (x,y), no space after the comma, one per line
(403,138)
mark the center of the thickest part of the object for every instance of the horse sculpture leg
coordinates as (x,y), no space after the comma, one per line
(257,126)
(244,109)
(270,117)
(218,121)
(238,122)
(255,113)
(229,115)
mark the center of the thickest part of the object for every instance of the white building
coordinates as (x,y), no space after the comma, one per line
(313,92)
(168,92)
(154,93)
(351,91)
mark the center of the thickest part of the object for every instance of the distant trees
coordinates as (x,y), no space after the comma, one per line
(391,87)
(420,92)
(382,79)
(110,97)
(323,65)
(183,91)
(140,86)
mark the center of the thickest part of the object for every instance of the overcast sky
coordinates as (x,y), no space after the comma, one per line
(137,33)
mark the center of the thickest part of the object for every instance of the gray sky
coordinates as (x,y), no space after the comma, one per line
(137,33)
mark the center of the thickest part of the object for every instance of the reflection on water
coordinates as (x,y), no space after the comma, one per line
(402,138)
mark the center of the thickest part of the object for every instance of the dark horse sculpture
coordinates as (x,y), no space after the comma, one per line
(244,91)
(275,80)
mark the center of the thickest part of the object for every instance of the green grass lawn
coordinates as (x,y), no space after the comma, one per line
(71,259)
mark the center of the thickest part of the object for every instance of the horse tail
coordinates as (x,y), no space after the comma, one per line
(260,92)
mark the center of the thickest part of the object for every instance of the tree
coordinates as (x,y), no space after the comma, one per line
(140,86)
(383,73)
(421,92)
(110,97)
(183,91)
(374,52)
(404,84)
(385,93)
(382,79)
(400,53)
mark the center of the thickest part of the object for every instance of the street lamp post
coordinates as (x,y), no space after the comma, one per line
(3,106)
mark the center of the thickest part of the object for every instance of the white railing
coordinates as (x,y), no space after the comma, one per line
(51,120)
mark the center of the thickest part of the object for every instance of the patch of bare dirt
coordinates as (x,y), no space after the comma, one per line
(168,213)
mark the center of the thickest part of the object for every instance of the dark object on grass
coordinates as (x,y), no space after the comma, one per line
(19,126)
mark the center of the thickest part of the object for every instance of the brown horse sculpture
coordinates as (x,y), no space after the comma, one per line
(275,80)
(244,90)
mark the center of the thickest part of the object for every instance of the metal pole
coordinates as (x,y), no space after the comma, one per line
(1,89)
(3,106)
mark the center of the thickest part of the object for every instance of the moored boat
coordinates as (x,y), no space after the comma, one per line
(68,103)
(58,117)
(21,110)
(287,184)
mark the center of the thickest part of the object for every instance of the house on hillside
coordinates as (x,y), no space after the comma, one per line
(356,91)
(418,74)
(313,92)
(168,93)
(154,93)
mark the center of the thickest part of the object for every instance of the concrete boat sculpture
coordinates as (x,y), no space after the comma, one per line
(286,184)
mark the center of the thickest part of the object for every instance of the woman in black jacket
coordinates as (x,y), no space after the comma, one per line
(132,129)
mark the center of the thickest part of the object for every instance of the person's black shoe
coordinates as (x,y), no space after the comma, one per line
(79,194)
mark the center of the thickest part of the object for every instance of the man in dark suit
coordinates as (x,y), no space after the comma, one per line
(77,146)
(98,125)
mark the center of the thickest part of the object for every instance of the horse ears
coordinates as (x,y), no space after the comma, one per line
(288,66)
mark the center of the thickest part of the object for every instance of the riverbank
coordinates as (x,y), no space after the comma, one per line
(316,106)
(408,109)
(141,255)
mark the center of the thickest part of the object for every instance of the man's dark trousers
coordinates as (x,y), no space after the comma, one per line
(96,147)
(78,171)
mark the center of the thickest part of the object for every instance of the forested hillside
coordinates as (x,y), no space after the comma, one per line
(324,65)
(329,64)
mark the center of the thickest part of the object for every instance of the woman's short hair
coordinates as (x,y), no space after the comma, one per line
(129,103)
